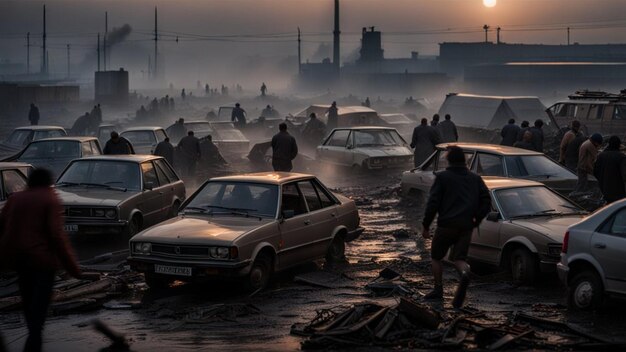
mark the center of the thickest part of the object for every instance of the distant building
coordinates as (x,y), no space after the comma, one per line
(111,87)
(16,95)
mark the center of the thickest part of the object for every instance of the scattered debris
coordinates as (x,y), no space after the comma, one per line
(324,279)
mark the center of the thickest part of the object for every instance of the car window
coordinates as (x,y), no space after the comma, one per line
(292,199)
(86,147)
(163,179)
(103,172)
(310,195)
(52,150)
(489,165)
(252,198)
(325,199)
(13,182)
(338,138)
(535,166)
(595,111)
(442,162)
(533,201)
(140,137)
(619,112)
(167,170)
(377,138)
(95,148)
(19,137)
(618,227)
(149,174)
(160,135)
(48,134)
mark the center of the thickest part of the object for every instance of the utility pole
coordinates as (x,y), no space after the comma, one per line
(336,43)
(98,52)
(44,52)
(68,61)
(299,53)
(498,36)
(156,39)
(106,32)
(486,28)
(567,35)
(28,53)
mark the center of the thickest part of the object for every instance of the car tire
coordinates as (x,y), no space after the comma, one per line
(336,252)
(156,282)
(523,265)
(174,210)
(585,291)
(260,273)
(134,226)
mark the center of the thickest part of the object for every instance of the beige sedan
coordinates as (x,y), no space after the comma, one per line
(247,226)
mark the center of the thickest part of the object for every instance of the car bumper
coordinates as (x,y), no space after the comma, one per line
(199,270)
(95,228)
(563,271)
(354,234)
(548,265)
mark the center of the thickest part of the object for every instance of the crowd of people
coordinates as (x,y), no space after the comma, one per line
(156,109)
(426,137)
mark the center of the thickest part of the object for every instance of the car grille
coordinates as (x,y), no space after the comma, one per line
(78,212)
(171,250)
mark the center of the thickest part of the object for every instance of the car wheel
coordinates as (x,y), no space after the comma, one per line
(523,266)
(174,210)
(134,226)
(585,291)
(260,273)
(336,250)
(156,282)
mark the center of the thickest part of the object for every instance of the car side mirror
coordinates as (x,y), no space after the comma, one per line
(493,216)
(288,214)
(148,186)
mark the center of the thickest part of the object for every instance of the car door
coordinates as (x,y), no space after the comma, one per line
(12,181)
(323,218)
(166,187)
(608,247)
(488,165)
(486,240)
(153,196)
(335,146)
(296,229)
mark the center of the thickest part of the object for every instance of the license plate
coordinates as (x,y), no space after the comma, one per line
(71,228)
(172,270)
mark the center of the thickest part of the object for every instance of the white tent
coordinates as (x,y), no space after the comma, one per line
(491,112)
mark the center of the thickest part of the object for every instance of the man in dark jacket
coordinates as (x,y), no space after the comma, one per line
(333,116)
(238,116)
(424,140)
(447,130)
(166,150)
(118,145)
(509,133)
(190,152)
(178,130)
(33,243)
(526,142)
(314,130)
(461,200)
(284,149)
(524,126)
(537,132)
(610,170)
(570,145)
(33,114)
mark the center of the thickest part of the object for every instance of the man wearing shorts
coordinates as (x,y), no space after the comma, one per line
(461,200)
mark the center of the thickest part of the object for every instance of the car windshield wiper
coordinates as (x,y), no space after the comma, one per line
(102,185)
(236,211)
(546,212)
(67,184)
(198,209)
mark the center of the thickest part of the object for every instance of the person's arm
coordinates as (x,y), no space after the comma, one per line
(294,148)
(597,169)
(434,199)
(233,115)
(503,131)
(435,136)
(59,239)
(484,205)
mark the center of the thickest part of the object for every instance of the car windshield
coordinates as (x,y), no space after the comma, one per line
(48,134)
(198,127)
(223,197)
(140,137)
(377,138)
(533,201)
(19,137)
(529,166)
(114,174)
(51,150)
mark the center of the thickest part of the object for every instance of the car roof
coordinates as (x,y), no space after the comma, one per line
(40,128)
(494,182)
(137,158)
(68,138)
(196,121)
(143,128)
(12,165)
(276,178)
(492,148)
(365,128)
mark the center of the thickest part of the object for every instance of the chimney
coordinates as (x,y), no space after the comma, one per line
(336,33)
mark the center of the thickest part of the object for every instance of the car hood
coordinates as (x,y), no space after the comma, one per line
(200,229)
(93,196)
(553,227)
(384,151)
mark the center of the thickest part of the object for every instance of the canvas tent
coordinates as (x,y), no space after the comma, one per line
(492,112)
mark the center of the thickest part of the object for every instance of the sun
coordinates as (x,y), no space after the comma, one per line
(489,3)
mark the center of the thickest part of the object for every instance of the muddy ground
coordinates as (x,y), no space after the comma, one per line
(219,316)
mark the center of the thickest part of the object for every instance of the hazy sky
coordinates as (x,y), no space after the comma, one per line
(77,23)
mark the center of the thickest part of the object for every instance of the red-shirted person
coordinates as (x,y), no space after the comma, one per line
(34,244)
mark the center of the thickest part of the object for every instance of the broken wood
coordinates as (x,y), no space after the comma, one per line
(420,313)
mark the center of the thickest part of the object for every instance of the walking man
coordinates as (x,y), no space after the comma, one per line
(586,159)
(190,148)
(33,243)
(509,133)
(461,200)
(118,145)
(537,132)
(284,149)
(33,114)
(570,145)
(610,170)
(447,130)
(238,116)
(424,140)
(523,128)
(166,150)
(333,116)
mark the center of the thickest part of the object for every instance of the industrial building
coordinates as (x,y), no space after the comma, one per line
(111,87)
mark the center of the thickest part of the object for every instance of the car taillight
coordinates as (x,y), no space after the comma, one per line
(565,242)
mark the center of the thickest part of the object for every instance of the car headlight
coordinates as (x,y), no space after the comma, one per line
(376,160)
(98,213)
(219,252)
(110,213)
(554,250)
(142,247)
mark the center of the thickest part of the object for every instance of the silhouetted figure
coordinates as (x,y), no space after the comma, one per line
(33,114)
(190,153)
(314,130)
(333,116)
(206,89)
(142,113)
(268,112)
(210,152)
(82,125)
(570,145)
(526,142)
(34,244)
(238,116)
(610,170)
(447,130)
(424,140)
(523,128)
(178,131)
(435,120)
(183,95)
(367,103)
(118,145)
(537,132)
(263,89)
(171,104)
(284,149)
(509,133)
(587,155)
(166,150)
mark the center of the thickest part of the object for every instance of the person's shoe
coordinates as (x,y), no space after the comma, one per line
(461,290)
(436,294)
